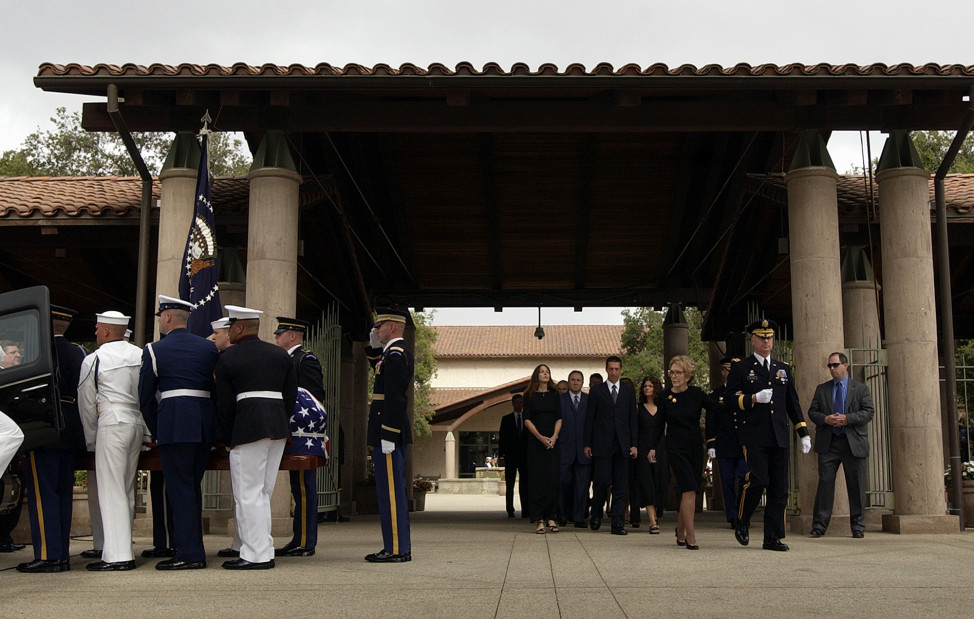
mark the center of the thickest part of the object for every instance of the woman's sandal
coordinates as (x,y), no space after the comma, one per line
(540,529)
(654,529)
(552,526)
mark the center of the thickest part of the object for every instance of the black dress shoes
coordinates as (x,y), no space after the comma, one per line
(595,523)
(817,533)
(294,551)
(619,531)
(158,553)
(562,522)
(39,566)
(741,534)
(11,547)
(243,564)
(112,566)
(580,524)
(634,525)
(91,554)
(173,564)
(774,543)
(858,534)
(510,514)
(228,553)
(387,557)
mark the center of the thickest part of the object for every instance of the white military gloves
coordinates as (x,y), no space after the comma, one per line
(763,396)
(374,338)
(806,444)
(711,453)
(388,446)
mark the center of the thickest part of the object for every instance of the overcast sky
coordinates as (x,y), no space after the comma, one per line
(452,31)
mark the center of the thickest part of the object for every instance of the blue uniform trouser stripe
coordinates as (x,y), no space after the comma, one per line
(50,488)
(390,487)
(304,491)
(183,465)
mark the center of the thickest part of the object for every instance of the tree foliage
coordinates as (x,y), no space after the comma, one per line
(68,150)
(423,373)
(932,147)
(642,344)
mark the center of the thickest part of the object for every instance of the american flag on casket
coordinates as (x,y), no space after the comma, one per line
(308,425)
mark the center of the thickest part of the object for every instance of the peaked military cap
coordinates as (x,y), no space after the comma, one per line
(170,303)
(763,328)
(223,323)
(387,314)
(59,312)
(291,324)
(243,313)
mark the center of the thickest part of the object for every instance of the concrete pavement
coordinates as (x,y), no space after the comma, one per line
(470,560)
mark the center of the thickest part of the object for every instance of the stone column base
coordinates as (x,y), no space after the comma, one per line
(934,523)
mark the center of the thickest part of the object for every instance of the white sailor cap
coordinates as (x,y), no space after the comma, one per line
(222,323)
(113,318)
(168,303)
(242,313)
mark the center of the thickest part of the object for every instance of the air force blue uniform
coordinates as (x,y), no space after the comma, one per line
(182,420)
(50,469)
(389,420)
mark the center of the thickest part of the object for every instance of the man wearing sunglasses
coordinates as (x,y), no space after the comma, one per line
(841,410)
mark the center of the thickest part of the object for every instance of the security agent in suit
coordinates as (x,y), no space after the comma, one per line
(611,431)
(390,431)
(841,410)
(256,389)
(108,402)
(176,394)
(512,446)
(576,467)
(764,393)
(722,444)
(50,469)
(304,484)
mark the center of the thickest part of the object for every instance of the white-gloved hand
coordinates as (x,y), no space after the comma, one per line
(711,453)
(388,446)
(374,338)
(763,396)
(806,444)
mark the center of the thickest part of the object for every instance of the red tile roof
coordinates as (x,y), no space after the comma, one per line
(501,342)
(494,69)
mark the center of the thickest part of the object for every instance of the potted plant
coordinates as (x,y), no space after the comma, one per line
(421,486)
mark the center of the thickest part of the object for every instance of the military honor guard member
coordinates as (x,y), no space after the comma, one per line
(765,398)
(390,431)
(176,393)
(256,387)
(11,438)
(722,445)
(304,484)
(108,400)
(841,410)
(50,469)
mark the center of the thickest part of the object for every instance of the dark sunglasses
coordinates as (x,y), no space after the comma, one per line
(832,366)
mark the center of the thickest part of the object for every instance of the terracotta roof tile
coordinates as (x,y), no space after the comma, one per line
(494,69)
(498,342)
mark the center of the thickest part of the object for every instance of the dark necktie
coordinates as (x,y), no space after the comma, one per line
(839,406)
(517,417)
(615,394)
(576,401)
(767,368)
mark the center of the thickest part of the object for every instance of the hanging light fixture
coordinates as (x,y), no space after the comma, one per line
(539,332)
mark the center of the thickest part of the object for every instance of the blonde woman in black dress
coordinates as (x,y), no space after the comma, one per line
(680,409)
(542,418)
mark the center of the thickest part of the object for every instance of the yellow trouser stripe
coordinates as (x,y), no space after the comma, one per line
(393,517)
(303,504)
(40,507)
(747,482)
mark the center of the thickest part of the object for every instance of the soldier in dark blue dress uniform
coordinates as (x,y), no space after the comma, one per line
(723,445)
(763,391)
(304,484)
(180,368)
(390,431)
(50,469)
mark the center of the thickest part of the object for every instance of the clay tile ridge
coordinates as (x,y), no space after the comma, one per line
(498,342)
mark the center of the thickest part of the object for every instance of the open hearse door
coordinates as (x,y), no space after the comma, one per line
(28,390)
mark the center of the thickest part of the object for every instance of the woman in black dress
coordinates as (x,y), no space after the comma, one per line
(679,409)
(651,479)
(542,418)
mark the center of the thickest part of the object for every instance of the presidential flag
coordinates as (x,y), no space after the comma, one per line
(198,277)
(308,424)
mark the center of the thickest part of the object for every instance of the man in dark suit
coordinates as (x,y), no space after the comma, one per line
(722,444)
(512,445)
(610,438)
(304,484)
(390,431)
(763,391)
(256,387)
(576,467)
(841,410)
(178,369)
(50,469)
